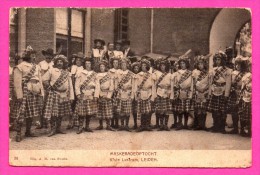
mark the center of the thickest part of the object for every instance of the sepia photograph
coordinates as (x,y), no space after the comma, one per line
(130,87)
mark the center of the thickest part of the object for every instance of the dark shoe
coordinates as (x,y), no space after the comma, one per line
(69,127)
(233,131)
(109,128)
(134,127)
(160,129)
(88,129)
(52,133)
(155,127)
(148,128)
(140,129)
(80,131)
(121,128)
(173,126)
(18,138)
(29,134)
(166,128)
(198,128)
(127,129)
(60,132)
(179,127)
(99,127)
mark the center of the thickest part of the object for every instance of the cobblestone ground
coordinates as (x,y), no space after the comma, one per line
(123,140)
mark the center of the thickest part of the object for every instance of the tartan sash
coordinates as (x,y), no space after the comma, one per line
(104,79)
(160,79)
(218,73)
(202,75)
(60,81)
(124,80)
(184,76)
(26,79)
(87,81)
(239,77)
(142,83)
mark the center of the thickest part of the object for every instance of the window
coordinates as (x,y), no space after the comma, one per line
(70,31)
(121,24)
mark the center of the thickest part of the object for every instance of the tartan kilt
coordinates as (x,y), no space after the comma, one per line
(217,104)
(200,106)
(174,105)
(144,106)
(245,111)
(163,105)
(105,108)
(34,106)
(57,107)
(86,107)
(232,102)
(124,107)
(184,105)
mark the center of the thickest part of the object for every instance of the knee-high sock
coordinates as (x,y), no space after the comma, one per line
(166,119)
(186,118)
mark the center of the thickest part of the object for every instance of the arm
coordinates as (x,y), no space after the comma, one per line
(191,88)
(111,88)
(210,82)
(97,88)
(172,88)
(153,91)
(71,91)
(77,85)
(228,83)
(18,83)
(40,80)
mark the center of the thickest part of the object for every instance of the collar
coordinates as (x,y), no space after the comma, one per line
(26,63)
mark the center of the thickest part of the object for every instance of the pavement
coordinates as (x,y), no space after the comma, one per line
(123,140)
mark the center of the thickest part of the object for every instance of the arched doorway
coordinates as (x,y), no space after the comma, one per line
(225,28)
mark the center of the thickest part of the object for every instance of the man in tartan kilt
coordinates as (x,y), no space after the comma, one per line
(45,65)
(106,88)
(201,86)
(29,93)
(75,70)
(175,95)
(60,94)
(236,84)
(220,84)
(245,111)
(124,93)
(145,95)
(163,106)
(135,69)
(87,91)
(184,88)
(114,62)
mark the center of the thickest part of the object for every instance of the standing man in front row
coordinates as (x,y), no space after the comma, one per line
(60,94)
(29,93)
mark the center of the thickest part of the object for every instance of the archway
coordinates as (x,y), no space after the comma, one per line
(225,28)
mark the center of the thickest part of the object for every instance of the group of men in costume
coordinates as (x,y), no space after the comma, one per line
(111,85)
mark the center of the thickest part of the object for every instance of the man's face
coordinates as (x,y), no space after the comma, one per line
(118,46)
(126,46)
(88,65)
(124,66)
(144,67)
(48,58)
(183,65)
(102,68)
(78,62)
(111,47)
(60,64)
(33,57)
(200,66)
(218,61)
(98,45)
(136,69)
(163,67)
(115,64)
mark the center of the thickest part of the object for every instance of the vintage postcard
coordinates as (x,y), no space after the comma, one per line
(130,87)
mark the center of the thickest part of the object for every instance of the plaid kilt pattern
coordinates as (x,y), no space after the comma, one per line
(56,107)
(86,107)
(183,105)
(105,109)
(232,102)
(200,106)
(245,111)
(163,105)
(174,105)
(124,107)
(217,104)
(33,108)
(144,106)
